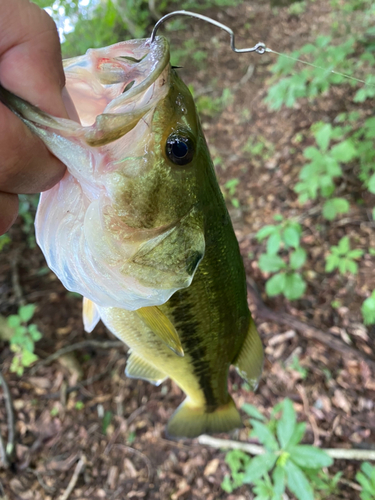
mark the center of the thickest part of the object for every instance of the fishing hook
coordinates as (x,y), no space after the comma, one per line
(259,48)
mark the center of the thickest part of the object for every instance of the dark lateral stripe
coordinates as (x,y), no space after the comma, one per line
(188,330)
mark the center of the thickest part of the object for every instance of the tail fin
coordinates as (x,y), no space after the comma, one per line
(190,421)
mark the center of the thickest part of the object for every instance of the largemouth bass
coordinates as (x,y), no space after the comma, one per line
(139,227)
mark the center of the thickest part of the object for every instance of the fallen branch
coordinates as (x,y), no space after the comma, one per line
(254,449)
(309,332)
(10,447)
(106,344)
(77,471)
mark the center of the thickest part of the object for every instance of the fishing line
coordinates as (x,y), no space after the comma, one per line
(319,67)
(259,48)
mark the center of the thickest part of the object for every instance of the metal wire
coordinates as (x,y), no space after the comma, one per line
(259,48)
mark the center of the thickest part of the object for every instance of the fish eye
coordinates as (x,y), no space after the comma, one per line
(180,148)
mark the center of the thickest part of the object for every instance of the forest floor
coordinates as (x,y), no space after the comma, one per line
(81,406)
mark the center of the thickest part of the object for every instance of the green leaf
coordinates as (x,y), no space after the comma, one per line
(355,254)
(298,434)
(371,184)
(311,153)
(335,206)
(276,284)
(351,266)
(106,421)
(368,310)
(344,245)
(273,243)
(297,482)
(291,237)
(28,358)
(271,263)
(344,151)
(295,286)
(265,231)
(258,466)
(264,435)
(332,262)
(323,136)
(297,258)
(26,312)
(13,321)
(310,457)
(252,411)
(279,477)
(286,424)
(34,332)
(226,485)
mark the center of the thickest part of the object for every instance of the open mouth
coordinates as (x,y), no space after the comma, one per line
(116,79)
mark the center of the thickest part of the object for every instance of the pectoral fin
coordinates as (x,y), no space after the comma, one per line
(90,315)
(162,327)
(136,367)
(249,362)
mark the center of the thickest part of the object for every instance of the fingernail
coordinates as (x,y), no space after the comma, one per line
(69,105)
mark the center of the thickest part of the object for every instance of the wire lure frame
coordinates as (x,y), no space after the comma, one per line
(259,48)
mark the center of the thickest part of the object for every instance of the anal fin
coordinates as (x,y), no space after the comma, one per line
(136,367)
(158,322)
(249,362)
(90,315)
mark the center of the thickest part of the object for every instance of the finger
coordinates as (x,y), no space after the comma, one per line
(8,211)
(26,165)
(30,56)
(30,67)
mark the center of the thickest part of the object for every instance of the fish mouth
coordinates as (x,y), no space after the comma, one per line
(117,79)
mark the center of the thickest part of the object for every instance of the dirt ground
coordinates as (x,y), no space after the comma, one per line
(81,406)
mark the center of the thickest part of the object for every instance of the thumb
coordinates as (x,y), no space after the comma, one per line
(30,56)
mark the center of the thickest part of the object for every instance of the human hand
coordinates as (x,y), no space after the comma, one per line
(30,67)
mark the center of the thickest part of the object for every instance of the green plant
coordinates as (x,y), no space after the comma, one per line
(368,309)
(286,463)
(343,258)
(366,479)
(22,342)
(4,240)
(258,149)
(296,366)
(318,176)
(284,236)
(230,191)
(212,106)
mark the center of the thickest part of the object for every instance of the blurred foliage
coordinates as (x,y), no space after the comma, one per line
(283,240)
(97,23)
(286,464)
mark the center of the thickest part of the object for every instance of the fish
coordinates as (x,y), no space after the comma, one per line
(139,227)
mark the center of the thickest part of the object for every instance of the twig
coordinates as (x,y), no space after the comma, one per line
(253,449)
(309,332)
(47,489)
(10,448)
(3,456)
(77,471)
(107,344)
(141,455)
(88,381)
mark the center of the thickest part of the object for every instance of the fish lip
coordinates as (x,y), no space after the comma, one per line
(92,70)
